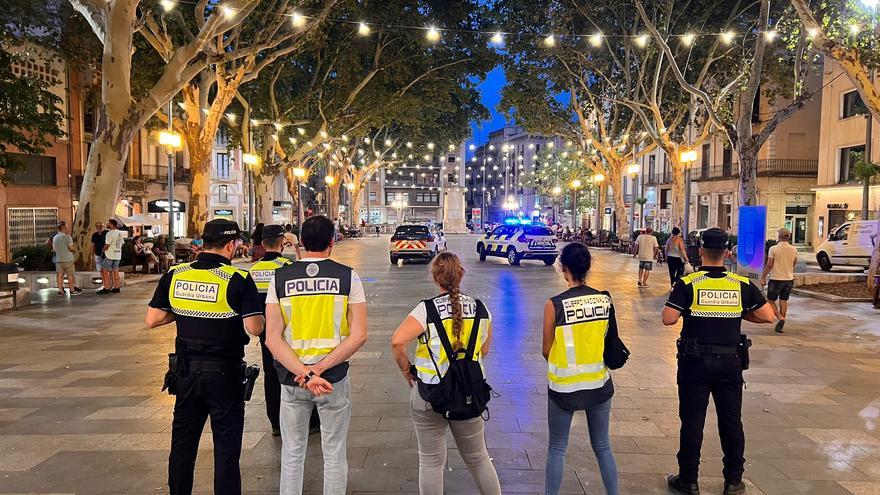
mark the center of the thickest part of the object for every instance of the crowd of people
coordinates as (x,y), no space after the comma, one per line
(311,317)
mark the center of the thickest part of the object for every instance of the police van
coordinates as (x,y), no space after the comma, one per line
(416,242)
(518,242)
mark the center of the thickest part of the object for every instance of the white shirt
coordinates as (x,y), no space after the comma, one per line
(113,241)
(646,243)
(420,313)
(784,256)
(355,296)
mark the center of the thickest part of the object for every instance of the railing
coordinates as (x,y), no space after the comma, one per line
(659,178)
(717,171)
(134,186)
(152,172)
(789,168)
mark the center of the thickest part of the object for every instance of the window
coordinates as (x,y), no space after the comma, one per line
(756,108)
(706,158)
(30,226)
(450,159)
(652,165)
(36,171)
(390,196)
(847,165)
(223,193)
(852,105)
(727,162)
(222,165)
(664,198)
(372,196)
(222,137)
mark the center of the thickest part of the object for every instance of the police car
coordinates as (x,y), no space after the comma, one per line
(518,242)
(416,242)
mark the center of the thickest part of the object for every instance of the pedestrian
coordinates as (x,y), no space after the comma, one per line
(647,249)
(213,304)
(316,319)
(291,244)
(98,244)
(712,353)
(574,345)
(62,245)
(457,315)
(262,272)
(675,256)
(257,242)
(113,241)
(377,230)
(781,261)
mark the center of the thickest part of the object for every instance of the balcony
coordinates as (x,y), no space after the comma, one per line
(766,168)
(661,178)
(155,173)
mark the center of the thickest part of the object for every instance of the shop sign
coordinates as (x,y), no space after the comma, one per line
(799,200)
(161,206)
(223,213)
(838,206)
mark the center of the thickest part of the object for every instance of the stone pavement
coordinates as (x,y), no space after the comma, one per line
(81,410)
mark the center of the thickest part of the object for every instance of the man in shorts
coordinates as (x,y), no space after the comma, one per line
(114,239)
(781,260)
(647,249)
(62,245)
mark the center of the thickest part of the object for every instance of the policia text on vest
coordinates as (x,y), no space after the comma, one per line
(213,305)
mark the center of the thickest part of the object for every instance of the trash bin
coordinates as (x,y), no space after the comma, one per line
(8,277)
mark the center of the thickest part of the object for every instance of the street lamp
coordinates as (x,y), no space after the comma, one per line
(687,157)
(575,185)
(299,173)
(172,141)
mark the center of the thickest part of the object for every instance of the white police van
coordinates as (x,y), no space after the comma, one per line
(518,242)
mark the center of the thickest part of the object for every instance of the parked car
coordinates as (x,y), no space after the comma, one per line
(851,244)
(416,242)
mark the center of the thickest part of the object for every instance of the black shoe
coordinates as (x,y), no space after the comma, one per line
(102,292)
(731,488)
(276,431)
(779,325)
(76,291)
(115,291)
(675,483)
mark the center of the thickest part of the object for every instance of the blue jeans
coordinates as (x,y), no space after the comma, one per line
(560,424)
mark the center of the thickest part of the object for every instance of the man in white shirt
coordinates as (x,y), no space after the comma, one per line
(113,242)
(781,261)
(647,249)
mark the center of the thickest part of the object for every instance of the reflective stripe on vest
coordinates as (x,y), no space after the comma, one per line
(314,307)
(201,293)
(576,359)
(424,366)
(263,271)
(716,297)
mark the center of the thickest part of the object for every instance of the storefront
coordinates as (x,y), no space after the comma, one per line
(797,215)
(158,209)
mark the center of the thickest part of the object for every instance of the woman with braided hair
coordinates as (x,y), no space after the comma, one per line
(458,315)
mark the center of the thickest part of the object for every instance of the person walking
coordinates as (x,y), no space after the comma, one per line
(316,319)
(711,354)
(113,241)
(576,323)
(262,272)
(781,261)
(257,243)
(459,316)
(647,249)
(291,244)
(98,244)
(675,256)
(62,245)
(215,306)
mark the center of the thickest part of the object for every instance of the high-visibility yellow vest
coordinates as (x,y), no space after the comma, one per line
(201,293)
(313,296)
(425,369)
(576,359)
(716,297)
(263,271)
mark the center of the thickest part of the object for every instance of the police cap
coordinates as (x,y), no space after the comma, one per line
(272,231)
(220,230)
(714,238)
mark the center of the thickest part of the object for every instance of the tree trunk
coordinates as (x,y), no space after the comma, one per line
(678,193)
(600,206)
(356,197)
(332,195)
(263,197)
(199,193)
(616,178)
(748,171)
(100,191)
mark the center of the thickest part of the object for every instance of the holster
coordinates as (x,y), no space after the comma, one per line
(687,349)
(249,379)
(176,369)
(743,350)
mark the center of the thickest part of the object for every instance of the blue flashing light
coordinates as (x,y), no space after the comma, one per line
(511,221)
(525,221)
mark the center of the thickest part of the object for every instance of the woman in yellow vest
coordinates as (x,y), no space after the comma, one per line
(456,314)
(575,324)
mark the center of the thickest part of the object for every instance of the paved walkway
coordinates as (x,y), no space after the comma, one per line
(81,410)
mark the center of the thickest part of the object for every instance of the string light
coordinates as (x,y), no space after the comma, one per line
(298,20)
(168,5)
(227,12)
(433,34)
(497,38)
(854,29)
(642,40)
(550,41)
(812,32)
(727,37)
(688,39)
(771,35)
(363,29)
(596,40)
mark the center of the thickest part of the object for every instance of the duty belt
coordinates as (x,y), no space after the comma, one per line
(213,366)
(718,349)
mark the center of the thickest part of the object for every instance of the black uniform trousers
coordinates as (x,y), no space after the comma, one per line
(271,384)
(199,395)
(721,376)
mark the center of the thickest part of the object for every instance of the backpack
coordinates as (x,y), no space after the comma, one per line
(462,392)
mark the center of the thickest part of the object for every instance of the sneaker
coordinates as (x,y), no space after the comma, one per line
(76,291)
(779,325)
(102,292)
(679,486)
(276,431)
(731,488)
(640,283)
(62,293)
(115,291)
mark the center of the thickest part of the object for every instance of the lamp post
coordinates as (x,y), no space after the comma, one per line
(575,185)
(556,192)
(329,180)
(172,141)
(633,170)
(299,174)
(251,160)
(872,6)
(598,179)
(688,157)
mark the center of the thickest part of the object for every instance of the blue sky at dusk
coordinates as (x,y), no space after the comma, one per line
(491,97)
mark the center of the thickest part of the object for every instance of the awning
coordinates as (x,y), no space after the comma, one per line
(136,220)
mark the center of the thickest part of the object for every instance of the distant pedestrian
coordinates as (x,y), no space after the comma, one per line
(113,242)
(98,244)
(675,256)
(574,346)
(647,249)
(257,242)
(62,244)
(290,244)
(458,316)
(781,260)
(377,230)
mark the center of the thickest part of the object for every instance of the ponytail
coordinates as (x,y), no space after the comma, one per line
(447,271)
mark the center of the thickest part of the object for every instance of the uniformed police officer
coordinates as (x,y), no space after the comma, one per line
(316,319)
(713,303)
(262,272)
(213,304)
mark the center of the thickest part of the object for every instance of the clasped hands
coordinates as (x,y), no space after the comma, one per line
(311,380)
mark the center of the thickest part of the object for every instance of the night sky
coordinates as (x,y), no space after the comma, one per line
(491,91)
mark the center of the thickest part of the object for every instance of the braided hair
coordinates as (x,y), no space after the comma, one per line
(447,271)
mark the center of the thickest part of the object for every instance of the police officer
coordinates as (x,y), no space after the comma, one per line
(317,318)
(711,354)
(213,304)
(262,272)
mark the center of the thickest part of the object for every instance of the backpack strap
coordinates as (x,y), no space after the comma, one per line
(475,330)
(434,317)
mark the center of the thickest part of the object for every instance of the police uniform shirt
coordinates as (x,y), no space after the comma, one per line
(218,337)
(711,330)
(269,256)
